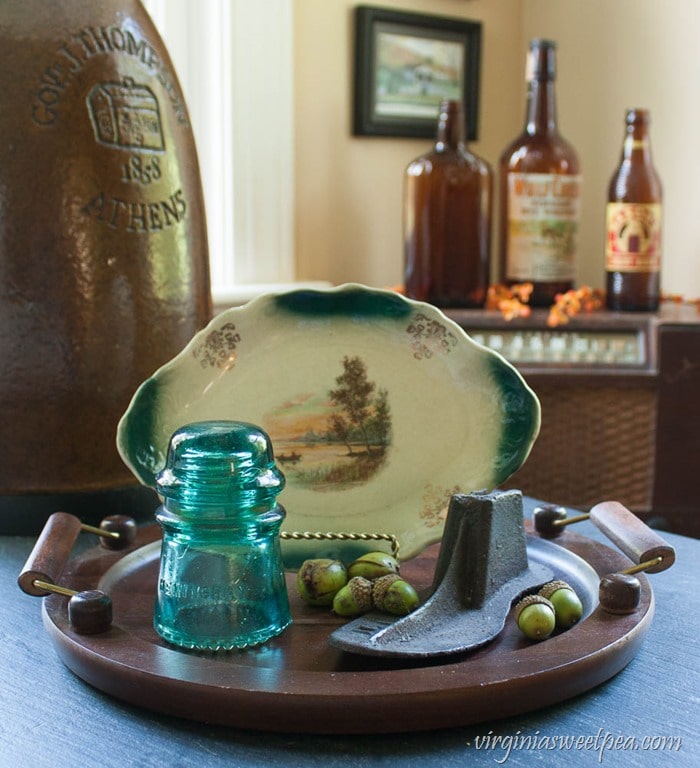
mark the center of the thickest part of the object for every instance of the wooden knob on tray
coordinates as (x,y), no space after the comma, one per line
(117,531)
(548,520)
(620,593)
(90,612)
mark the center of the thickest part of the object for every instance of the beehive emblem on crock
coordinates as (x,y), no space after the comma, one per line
(126,115)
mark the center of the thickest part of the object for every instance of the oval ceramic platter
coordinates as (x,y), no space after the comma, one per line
(379,409)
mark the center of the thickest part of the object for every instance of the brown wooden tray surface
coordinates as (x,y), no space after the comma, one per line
(299,683)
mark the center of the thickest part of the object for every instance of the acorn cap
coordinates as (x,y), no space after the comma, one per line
(361,589)
(354,598)
(531,600)
(553,586)
(380,586)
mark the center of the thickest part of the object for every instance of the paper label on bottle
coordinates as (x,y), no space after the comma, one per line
(633,237)
(543,222)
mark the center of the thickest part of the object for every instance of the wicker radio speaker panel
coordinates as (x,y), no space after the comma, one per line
(594,444)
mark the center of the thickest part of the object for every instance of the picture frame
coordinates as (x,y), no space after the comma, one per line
(405,64)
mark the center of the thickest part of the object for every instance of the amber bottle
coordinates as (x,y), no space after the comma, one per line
(448,198)
(540,191)
(633,223)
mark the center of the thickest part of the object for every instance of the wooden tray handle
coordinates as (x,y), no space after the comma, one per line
(639,542)
(50,554)
(90,611)
(53,547)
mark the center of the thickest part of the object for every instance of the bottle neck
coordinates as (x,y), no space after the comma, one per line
(636,145)
(450,130)
(541,116)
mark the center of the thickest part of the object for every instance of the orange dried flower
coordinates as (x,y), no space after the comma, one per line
(674,298)
(522,291)
(677,298)
(511,301)
(566,305)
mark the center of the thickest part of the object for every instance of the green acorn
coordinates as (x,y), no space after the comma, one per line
(319,580)
(535,617)
(567,606)
(355,598)
(373,565)
(394,595)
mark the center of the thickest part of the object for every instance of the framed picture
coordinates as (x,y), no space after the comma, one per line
(405,64)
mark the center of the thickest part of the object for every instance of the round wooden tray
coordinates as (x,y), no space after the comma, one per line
(299,683)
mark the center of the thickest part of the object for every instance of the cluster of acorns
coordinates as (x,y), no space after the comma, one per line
(555,606)
(371,581)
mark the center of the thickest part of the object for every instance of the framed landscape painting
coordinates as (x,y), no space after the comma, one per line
(406,64)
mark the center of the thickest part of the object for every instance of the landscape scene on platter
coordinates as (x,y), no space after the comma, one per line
(333,439)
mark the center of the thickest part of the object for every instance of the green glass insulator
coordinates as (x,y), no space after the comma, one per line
(221,584)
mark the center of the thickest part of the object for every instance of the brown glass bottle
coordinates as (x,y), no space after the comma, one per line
(633,223)
(540,191)
(448,199)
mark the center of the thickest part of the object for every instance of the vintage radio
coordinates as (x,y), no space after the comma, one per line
(620,396)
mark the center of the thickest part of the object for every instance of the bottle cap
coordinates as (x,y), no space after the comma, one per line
(450,105)
(215,463)
(540,63)
(637,115)
(450,129)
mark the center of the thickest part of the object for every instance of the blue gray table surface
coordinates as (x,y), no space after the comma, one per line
(647,715)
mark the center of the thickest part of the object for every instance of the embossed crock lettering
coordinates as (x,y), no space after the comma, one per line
(131,216)
(89,42)
(138,170)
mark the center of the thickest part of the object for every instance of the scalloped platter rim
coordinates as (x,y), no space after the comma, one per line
(379,408)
